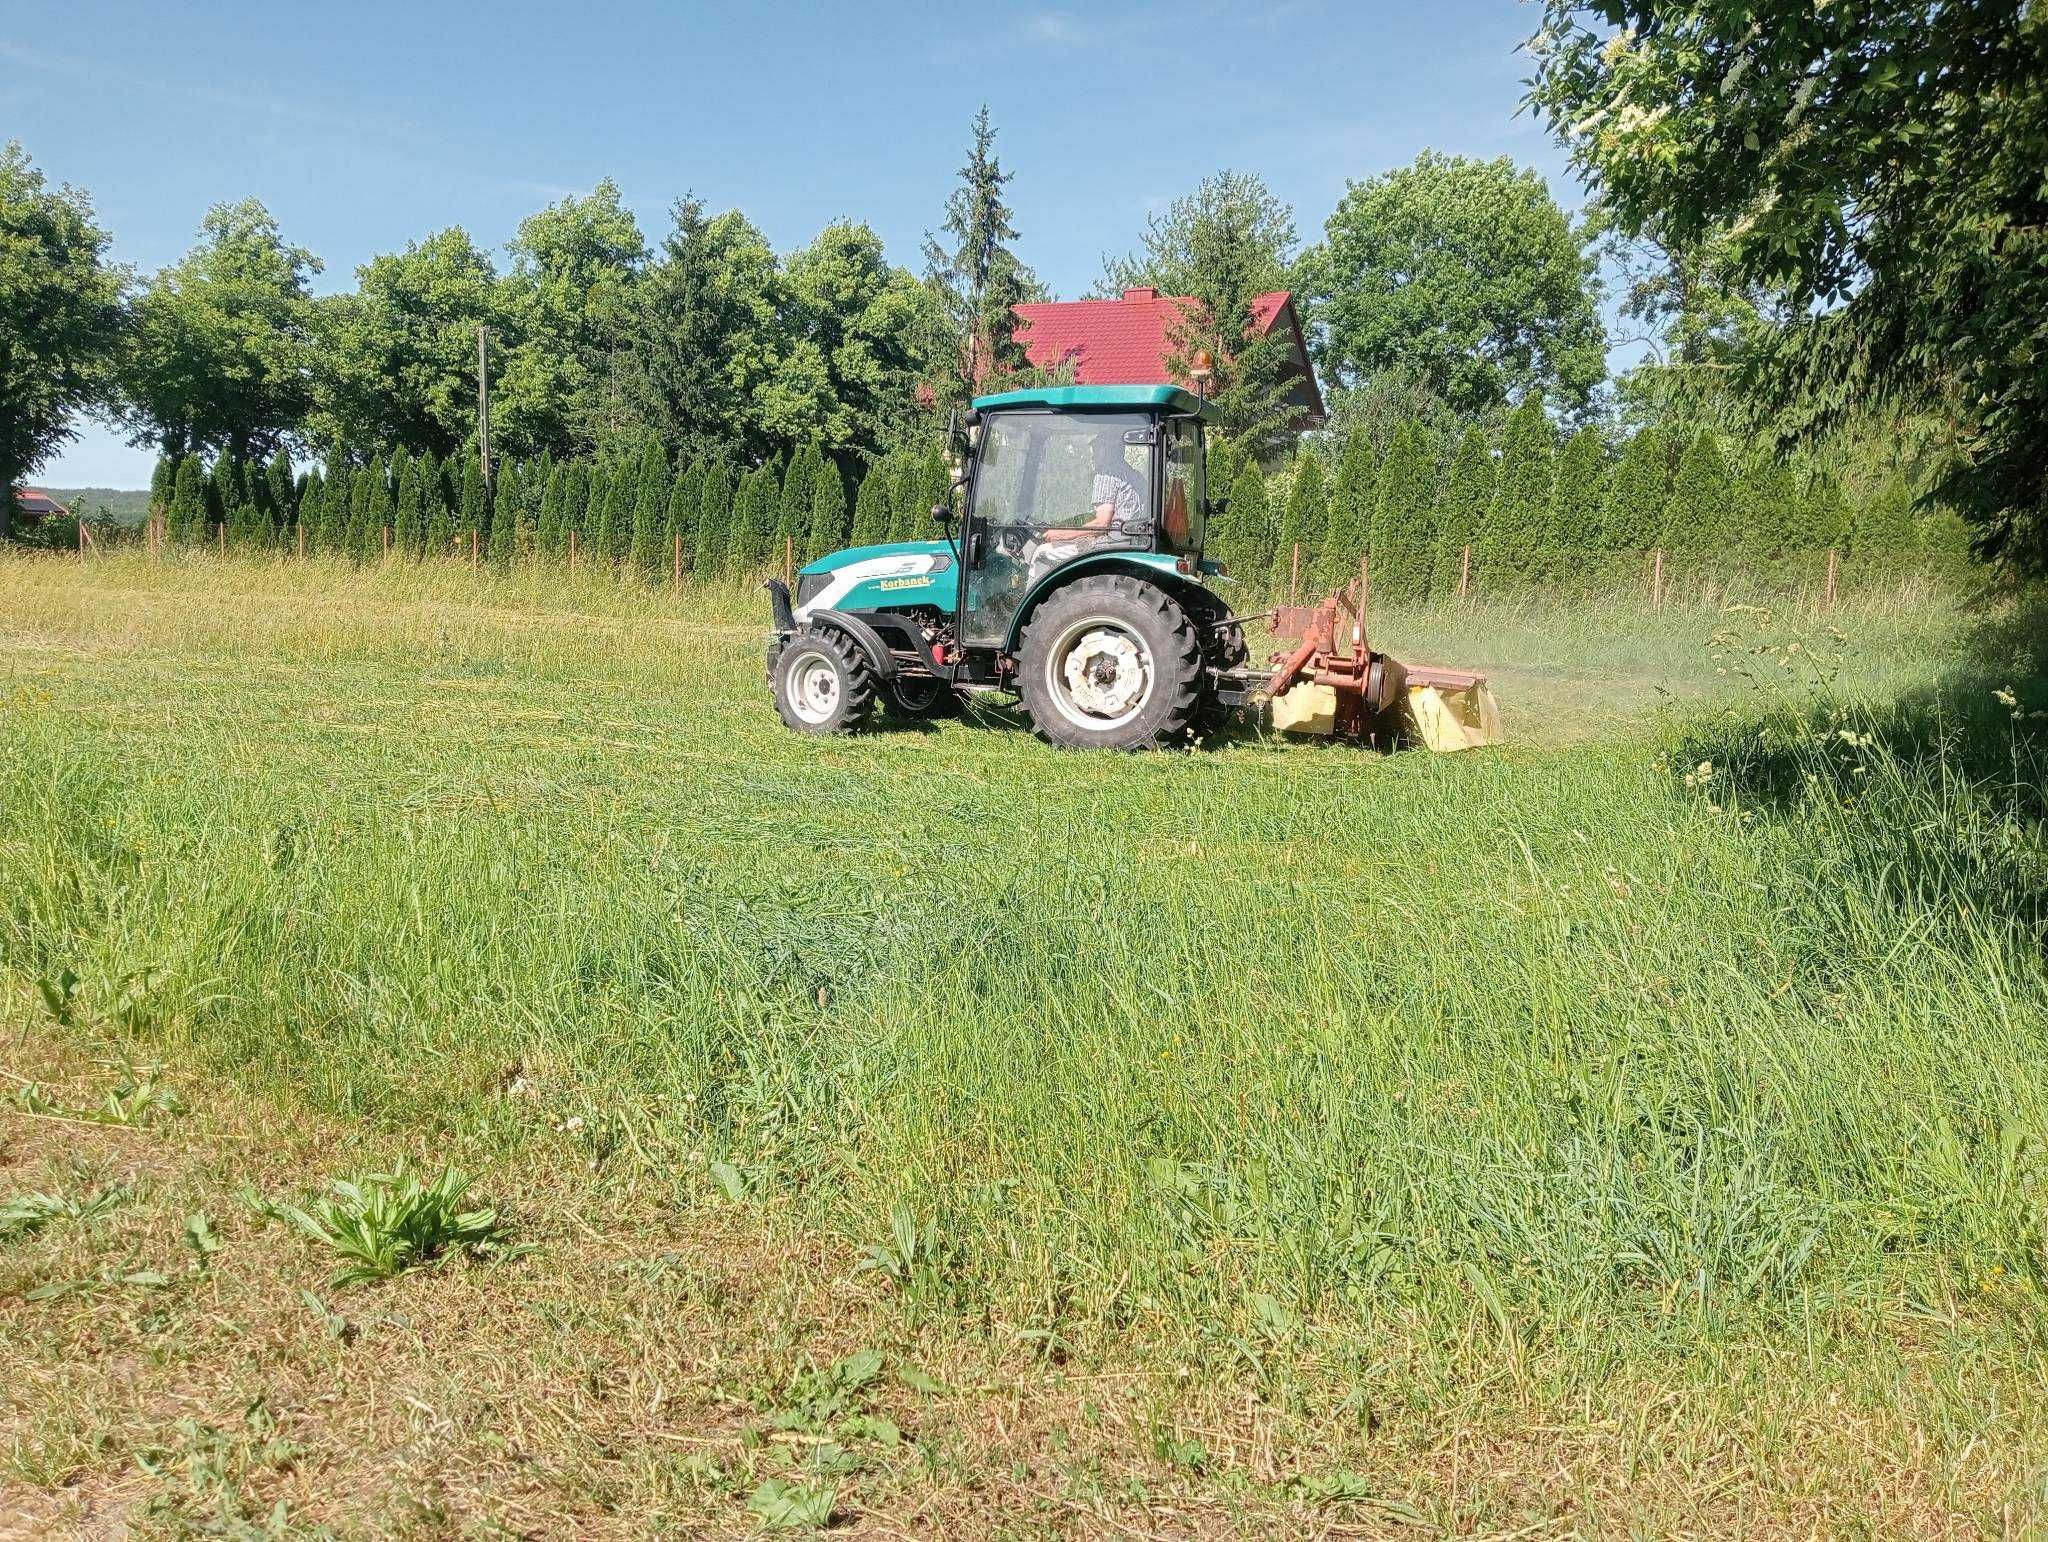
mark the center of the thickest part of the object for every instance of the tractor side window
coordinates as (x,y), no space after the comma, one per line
(1050,487)
(1180,500)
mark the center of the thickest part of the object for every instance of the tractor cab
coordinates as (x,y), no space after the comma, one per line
(1060,476)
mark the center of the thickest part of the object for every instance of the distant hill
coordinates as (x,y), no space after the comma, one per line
(127,505)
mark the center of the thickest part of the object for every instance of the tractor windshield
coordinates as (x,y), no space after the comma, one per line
(1049,487)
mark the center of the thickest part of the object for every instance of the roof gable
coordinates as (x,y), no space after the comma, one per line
(1126,341)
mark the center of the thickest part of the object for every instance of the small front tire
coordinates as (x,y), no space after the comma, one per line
(823,685)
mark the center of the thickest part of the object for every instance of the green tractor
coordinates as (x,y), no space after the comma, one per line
(1073,577)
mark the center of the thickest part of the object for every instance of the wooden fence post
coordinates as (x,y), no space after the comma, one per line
(1828,603)
(82,537)
(1465,572)
(1657,579)
(223,538)
(679,564)
(475,547)
(1294,573)
(572,551)
(302,540)
(789,560)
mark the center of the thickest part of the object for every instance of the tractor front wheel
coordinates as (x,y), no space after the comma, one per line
(1110,662)
(823,684)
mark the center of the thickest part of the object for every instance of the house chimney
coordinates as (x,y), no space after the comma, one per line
(1141,294)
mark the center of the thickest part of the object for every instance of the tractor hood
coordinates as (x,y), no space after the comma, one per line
(885,577)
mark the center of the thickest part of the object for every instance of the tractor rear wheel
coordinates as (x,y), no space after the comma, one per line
(1110,662)
(823,684)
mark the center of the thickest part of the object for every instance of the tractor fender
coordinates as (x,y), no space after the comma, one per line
(1154,568)
(860,634)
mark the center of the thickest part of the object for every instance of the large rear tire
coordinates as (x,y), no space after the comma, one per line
(1110,662)
(823,684)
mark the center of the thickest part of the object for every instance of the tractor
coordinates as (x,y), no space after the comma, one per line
(1072,576)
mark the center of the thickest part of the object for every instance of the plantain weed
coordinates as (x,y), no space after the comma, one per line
(27,1213)
(782,1506)
(385,1223)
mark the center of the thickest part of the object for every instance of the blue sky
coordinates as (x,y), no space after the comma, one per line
(365,126)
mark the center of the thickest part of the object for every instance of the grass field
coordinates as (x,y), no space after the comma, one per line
(1639,1128)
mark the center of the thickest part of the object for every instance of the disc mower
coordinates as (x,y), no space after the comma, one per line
(1071,576)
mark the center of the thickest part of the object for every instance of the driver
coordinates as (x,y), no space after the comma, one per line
(1113,498)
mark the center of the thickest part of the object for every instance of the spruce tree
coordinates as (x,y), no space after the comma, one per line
(312,507)
(871,507)
(1514,542)
(685,496)
(714,520)
(1632,515)
(1820,517)
(1354,497)
(1765,499)
(504,544)
(827,530)
(551,538)
(163,486)
(1578,497)
(1305,526)
(1248,534)
(186,521)
(365,498)
(619,496)
(1468,498)
(283,505)
(437,507)
(535,481)
(1883,539)
(1697,519)
(476,509)
(575,505)
(1403,533)
(597,513)
(650,510)
(1946,551)
(409,522)
(756,511)
(795,518)
(330,537)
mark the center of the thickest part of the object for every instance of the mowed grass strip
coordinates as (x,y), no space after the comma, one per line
(1360,1097)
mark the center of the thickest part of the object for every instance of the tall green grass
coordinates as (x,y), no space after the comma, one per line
(1662,1025)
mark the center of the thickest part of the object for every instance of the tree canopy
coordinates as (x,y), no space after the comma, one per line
(1880,164)
(59,316)
(1465,274)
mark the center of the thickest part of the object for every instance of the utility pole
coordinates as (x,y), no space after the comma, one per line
(483,404)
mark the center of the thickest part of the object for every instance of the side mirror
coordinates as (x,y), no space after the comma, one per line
(942,513)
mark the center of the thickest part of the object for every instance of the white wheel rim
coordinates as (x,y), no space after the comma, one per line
(814,688)
(1099,674)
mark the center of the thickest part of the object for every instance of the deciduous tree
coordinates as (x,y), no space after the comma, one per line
(1465,274)
(59,318)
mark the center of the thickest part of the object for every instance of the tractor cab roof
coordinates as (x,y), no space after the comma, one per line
(1130,398)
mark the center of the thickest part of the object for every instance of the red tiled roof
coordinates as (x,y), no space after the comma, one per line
(36,503)
(1126,341)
